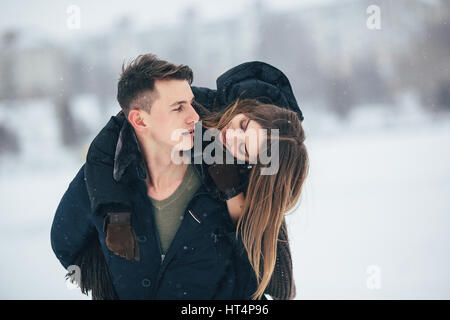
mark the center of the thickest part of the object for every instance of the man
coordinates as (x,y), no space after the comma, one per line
(166,237)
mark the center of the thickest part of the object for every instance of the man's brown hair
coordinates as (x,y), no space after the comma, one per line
(139,77)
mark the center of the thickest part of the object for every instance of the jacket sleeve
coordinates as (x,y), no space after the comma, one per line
(105,193)
(72,225)
(281,285)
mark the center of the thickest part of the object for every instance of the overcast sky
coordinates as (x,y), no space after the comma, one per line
(49,17)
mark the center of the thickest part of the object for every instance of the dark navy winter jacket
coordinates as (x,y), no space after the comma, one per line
(204,260)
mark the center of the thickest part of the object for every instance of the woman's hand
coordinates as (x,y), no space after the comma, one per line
(235,207)
(226,179)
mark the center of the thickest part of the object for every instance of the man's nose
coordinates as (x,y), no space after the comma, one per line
(193,115)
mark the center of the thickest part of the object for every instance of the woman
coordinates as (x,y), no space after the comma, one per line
(259,210)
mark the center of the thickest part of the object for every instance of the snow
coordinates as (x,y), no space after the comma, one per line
(376,199)
(29,268)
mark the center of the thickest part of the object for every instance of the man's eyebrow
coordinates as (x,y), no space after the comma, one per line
(180,102)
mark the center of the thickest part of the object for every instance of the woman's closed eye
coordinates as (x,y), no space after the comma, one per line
(243,146)
(242,124)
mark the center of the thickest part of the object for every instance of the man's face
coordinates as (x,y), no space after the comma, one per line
(172,116)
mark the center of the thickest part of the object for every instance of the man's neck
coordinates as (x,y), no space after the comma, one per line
(165,176)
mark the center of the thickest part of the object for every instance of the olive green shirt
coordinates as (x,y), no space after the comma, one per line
(170,212)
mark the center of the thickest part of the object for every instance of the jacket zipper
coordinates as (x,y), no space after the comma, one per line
(164,262)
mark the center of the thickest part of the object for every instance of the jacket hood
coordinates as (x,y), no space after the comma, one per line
(257,80)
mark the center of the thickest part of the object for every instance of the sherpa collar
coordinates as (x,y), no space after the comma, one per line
(129,153)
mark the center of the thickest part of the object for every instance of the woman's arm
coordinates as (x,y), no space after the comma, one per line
(104,192)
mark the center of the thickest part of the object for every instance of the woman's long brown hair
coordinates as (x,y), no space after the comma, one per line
(268,197)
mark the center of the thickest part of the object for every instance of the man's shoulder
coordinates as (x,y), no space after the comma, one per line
(106,139)
(78,185)
(76,196)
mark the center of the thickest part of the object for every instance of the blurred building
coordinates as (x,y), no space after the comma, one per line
(327,52)
(30,67)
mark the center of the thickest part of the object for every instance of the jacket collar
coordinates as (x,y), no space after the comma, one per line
(127,150)
(128,153)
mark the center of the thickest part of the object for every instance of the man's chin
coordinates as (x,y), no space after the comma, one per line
(181,155)
(186,147)
(183,147)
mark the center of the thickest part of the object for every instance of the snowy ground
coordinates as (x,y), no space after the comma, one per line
(375,199)
(372,223)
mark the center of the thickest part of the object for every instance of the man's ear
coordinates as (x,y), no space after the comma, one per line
(137,119)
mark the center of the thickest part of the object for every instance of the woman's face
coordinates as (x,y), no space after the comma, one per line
(243,137)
